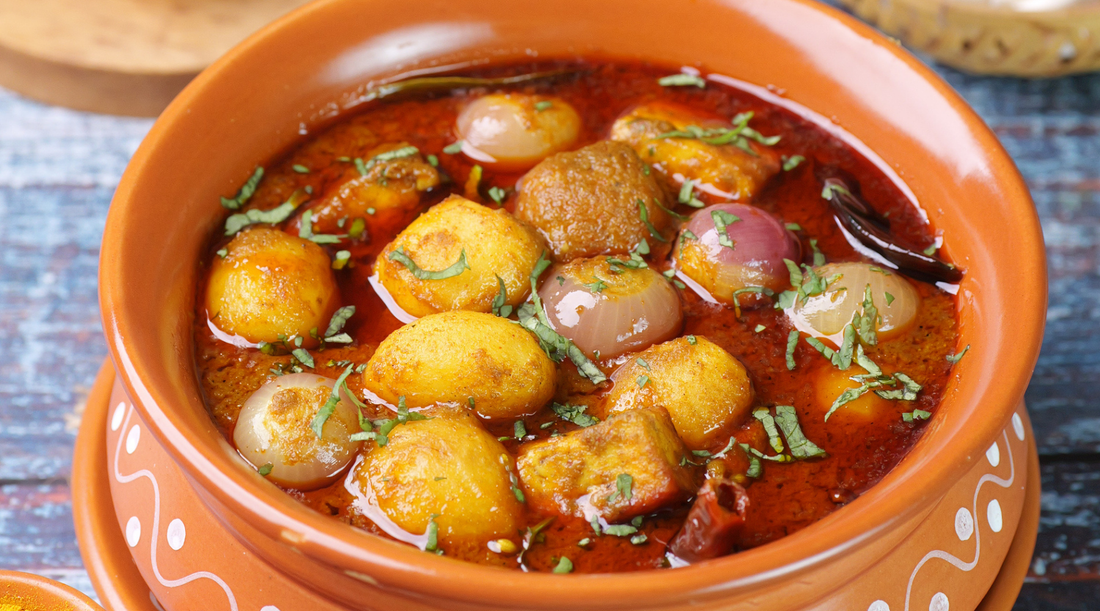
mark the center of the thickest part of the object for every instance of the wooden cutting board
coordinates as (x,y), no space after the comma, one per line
(126,57)
(1035,38)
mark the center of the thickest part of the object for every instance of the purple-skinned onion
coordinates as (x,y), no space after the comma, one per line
(736,248)
(608,309)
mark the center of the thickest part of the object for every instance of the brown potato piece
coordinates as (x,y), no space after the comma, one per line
(706,391)
(447,466)
(585,202)
(495,243)
(557,472)
(478,360)
(723,171)
(390,188)
(270,283)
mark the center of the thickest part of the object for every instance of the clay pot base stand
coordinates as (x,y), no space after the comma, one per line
(128,57)
(183,559)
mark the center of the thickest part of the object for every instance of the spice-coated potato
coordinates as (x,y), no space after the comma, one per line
(270,283)
(557,473)
(721,170)
(591,201)
(447,466)
(478,360)
(705,389)
(275,428)
(495,244)
(395,177)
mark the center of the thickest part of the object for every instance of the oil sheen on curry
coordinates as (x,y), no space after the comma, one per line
(579,316)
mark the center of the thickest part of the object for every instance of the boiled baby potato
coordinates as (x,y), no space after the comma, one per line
(594,201)
(724,171)
(515,130)
(705,389)
(492,244)
(447,467)
(396,176)
(629,465)
(269,285)
(275,431)
(482,361)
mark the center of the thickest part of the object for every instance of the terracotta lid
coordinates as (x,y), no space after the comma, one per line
(1010,37)
(26,592)
(128,57)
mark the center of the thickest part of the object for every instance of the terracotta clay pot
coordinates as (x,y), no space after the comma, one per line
(34,593)
(900,545)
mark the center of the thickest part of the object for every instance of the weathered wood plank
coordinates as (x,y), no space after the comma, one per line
(36,527)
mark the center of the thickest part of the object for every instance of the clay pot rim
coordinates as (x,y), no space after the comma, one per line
(920,478)
(52,592)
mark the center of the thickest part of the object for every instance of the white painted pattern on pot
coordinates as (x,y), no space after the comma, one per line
(131,444)
(940,602)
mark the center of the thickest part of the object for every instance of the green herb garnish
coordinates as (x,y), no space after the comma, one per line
(500,305)
(278,214)
(801,447)
(299,168)
(792,162)
(574,414)
(564,566)
(543,105)
(265,470)
(722,220)
(682,80)
(792,343)
(644,213)
(245,193)
(955,358)
(453,270)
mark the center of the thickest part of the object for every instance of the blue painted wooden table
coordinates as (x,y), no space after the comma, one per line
(59,168)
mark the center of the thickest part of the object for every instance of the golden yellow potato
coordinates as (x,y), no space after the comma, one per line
(477,360)
(391,187)
(275,428)
(269,284)
(723,171)
(448,467)
(586,202)
(495,243)
(515,130)
(706,391)
(559,472)
(826,315)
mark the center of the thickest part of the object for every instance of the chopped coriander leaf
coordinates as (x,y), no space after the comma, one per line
(748,289)
(246,191)
(564,566)
(358,226)
(339,319)
(222,252)
(519,429)
(759,328)
(624,484)
(917,414)
(452,149)
(303,356)
(831,189)
(619,530)
(691,339)
(584,542)
(637,521)
(574,414)
(642,363)
(878,269)
(643,212)
(686,195)
(276,215)
(955,358)
(787,419)
(596,287)
(682,80)
(518,494)
(299,168)
(595,523)
(794,227)
(642,381)
(792,162)
(866,323)
(931,250)
(305,231)
(433,161)
(765,417)
(421,274)
(638,539)
(497,194)
(370,211)
(819,257)
(318,424)
(543,105)
(722,220)
(889,299)
(792,343)
(265,470)
(433,535)
(405,151)
(672,213)
(500,305)
(754,471)
(796,274)
(341,260)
